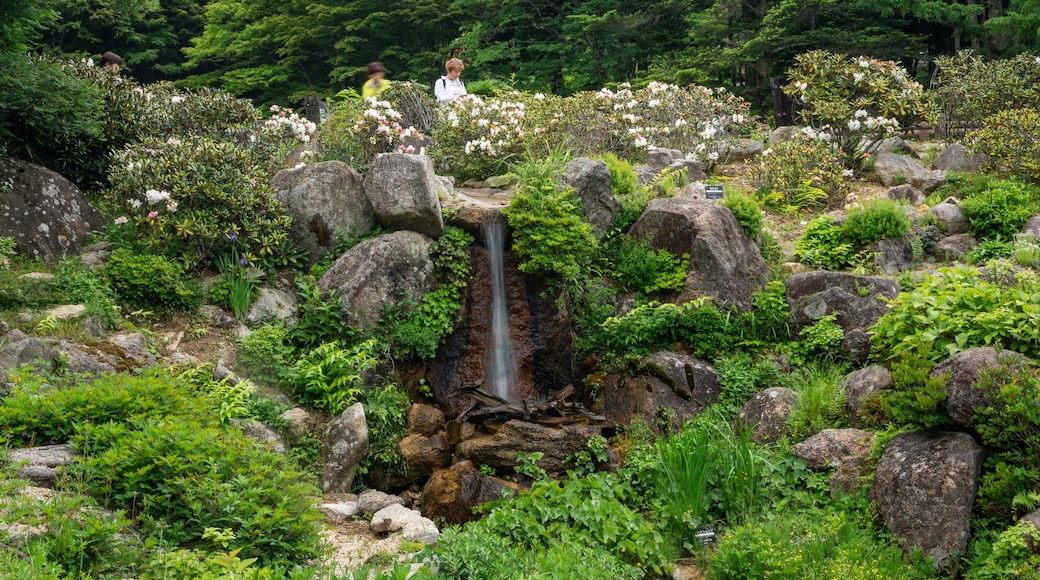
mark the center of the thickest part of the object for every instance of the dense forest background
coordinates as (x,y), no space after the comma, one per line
(278,51)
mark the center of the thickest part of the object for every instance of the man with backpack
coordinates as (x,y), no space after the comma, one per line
(450,87)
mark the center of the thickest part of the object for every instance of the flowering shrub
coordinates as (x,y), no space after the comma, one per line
(359,129)
(972,89)
(180,198)
(802,174)
(1011,139)
(476,136)
(858,101)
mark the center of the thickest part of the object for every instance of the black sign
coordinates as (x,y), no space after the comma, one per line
(706,535)
(713,191)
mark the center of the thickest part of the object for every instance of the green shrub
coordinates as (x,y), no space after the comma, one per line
(1000,209)
(988,250)
(740,377)
(641,269)
(321,319)
(972,88)
(1010,556)
(226,203)
(266,354)
(957,309)
(918,400)
(821,400)
(150,281)
(331,377)
(823,244)
(357,130)
(876,220)
(821,339)
(550,234)
(1011,139)
(386,408)
(72,283)
(801,174)
(745,208)
(622,177)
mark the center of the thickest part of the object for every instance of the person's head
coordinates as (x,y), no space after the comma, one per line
(454,67)
(376,70)
(111,60)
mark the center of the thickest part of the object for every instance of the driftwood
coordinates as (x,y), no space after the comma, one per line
(556,410)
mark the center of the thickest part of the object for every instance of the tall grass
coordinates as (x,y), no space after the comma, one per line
(821,399)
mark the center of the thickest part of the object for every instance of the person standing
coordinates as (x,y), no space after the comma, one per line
(111,60)
(376,83)
(450,87)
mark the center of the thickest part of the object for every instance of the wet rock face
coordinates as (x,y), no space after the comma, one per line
(451,494)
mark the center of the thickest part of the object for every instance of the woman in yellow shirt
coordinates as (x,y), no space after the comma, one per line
(375,83)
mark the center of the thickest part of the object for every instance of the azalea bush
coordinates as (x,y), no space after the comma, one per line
(159,207)
(801,174)
(1011,139)
(359,129)
(972,88)
(858,101)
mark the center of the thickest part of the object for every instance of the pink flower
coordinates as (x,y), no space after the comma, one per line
(153,214)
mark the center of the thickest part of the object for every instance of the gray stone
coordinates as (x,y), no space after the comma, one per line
(659,158)
(830,448)
(892,255)
(42,465)
(46,214)
(339,512)
(951,218)
(372,500)
(499,450)
(591,181)
(861,384)
(264,435)
(766,414)
(272,305)
(30,351)
(784,133)
(957,157)
(403,191)
(691,378)
(743,149)
(907,193)
(954,248)
(694,169)
(964,370)
(345,445)
(323,198)
(857,300)
(299,422)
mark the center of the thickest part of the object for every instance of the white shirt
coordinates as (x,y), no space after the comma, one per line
(447,90)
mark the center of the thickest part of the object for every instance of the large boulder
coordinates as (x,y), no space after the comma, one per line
(857,300)
(273,305)
(691,378)
(423,454)
(46,214)
(621,399)
(28,351)
(42,465)
(499,450)
(906,193)
(378,272)
(861,384)
(403,191)
(957,157)
(894,169)
(344,446)
(592,183)
(963,371)
(451,494)
(953,248)
(323,198)
(924,489)
(951,217)
(830,448)
(766,414)
(725,264)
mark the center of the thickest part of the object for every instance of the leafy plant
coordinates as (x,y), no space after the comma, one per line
(331,377)
(622,176)
(821,339)
(745,208)
(148,280)
(801,174)
(823,244)
(999,209)
(919,400)
(877,219)
(821,400)
(265,353)
(386,408)
(642,269)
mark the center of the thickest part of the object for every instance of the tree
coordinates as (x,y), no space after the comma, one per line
(20,23)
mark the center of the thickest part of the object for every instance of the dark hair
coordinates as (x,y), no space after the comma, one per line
(111,58)
(375,67)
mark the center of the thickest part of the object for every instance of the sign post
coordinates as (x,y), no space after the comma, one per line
(713,191)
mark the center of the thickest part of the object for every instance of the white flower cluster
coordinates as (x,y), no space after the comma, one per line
(154,196)
(380,122)
(495,125)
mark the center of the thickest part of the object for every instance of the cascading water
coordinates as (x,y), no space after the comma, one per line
(502,366)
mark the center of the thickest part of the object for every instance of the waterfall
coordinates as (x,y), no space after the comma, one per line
(502,366)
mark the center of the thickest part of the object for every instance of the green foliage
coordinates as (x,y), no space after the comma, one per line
(972,88)
(861,100)
(960,308)
(823,244)
(237,287)
(331,377)
(357,130)
(877,219)
(1010,139)
(265,353)
(1010,556)
(770,319)
(418,329)
(801,174)
(821,400)
(988,250)
(622,177)
(745,208)
(641,269)
(1010,419)
(191,215)
(740,377)
(821,339)
(918,400)
(321,317)
(386,408)
(813,543)
(72,283)
(550,234)
(590,512)
(150,281)
(999,209)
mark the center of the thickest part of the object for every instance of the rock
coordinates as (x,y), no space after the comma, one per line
(591,181)
(373,500)
(694,169)
(954,248)
(659,158)
(784,133)
(412,525)
(135,347)
(725,264)
(339,512)
(1031,540)
(95,255)
(855,347)
(695,190)
(425,419)
(907,193)
(217,317)
(964,369)
(423,454)
(66,312)
(957,157)
(300,423)
(452,494)
(743,149)
(323,198)
(46,214)
(621,399)
(766,414)
(403,191)
(645,175)
(830,448)
(380,272)
(263,435)
(29,351)
(499,450)
(42,465)
(894,145)
(857,300)
(894,169)
(924,489)
(892,255)
(345,445)
(691,378)
(272,306)
(861,384)
(951,218)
